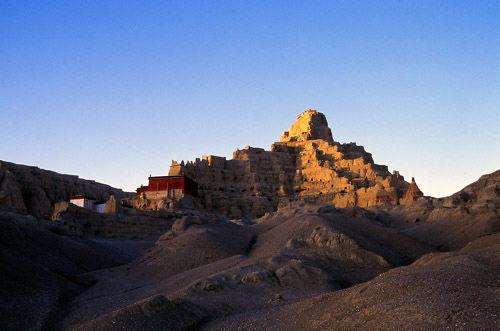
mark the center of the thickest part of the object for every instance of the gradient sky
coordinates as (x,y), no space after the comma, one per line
(114,90)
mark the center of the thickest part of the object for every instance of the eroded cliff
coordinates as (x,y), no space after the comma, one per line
(35,191)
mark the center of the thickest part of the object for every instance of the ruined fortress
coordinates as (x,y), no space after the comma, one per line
(307,164)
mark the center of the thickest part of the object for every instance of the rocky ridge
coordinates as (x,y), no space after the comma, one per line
(35,191)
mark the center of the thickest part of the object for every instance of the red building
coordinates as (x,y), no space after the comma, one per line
(170,183)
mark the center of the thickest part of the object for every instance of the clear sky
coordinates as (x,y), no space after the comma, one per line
(114,90)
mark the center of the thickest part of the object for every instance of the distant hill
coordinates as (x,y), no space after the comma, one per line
(452,222)
(33,190)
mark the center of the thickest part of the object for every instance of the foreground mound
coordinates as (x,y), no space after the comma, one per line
(439,291)
(204,269)
(39,269)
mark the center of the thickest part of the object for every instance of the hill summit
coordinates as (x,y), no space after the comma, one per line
(310,125)
(306,165)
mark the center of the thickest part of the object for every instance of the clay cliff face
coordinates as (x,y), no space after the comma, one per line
(305,165)
(35,191)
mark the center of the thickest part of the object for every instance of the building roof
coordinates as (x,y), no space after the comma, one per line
(165,177)
(81,196)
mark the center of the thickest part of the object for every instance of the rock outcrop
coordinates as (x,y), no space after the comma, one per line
(35,191)
(305,165)
(412,193)
(310,125)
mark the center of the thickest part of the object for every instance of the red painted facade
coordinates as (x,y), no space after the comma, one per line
(166,183)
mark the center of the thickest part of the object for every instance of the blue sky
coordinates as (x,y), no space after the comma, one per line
(114,90)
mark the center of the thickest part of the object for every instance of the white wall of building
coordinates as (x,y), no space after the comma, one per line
(78,202)
(83,202)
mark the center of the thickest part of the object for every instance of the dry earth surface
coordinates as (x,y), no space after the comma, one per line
(431,265)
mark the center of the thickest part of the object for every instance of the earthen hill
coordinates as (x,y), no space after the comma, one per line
(306,164)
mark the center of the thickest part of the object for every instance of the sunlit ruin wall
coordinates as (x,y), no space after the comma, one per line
(306,164)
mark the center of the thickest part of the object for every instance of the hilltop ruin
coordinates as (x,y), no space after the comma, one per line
(306,164)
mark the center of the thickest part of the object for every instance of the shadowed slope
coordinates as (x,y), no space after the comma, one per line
(450,223)
(457,290)
(38,269)
(220,268)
